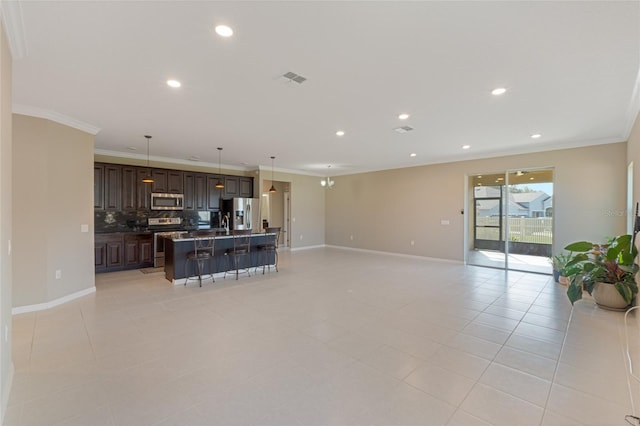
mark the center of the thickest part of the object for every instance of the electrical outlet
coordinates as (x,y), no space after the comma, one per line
(84,228)
(300,237)
(351,237)
(6,333)
(444,222)
(413,243)
(58,274)
(8,247)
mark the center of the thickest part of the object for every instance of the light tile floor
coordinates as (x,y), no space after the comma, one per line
(336,337)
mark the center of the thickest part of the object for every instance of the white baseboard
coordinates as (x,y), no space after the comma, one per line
(389,253)
(51,304)
(308,247)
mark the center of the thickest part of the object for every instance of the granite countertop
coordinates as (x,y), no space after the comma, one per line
(123,231)
(188,236)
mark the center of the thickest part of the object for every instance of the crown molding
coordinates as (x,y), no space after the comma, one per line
(265,169)
(159,159)
(13,24)
(55,116)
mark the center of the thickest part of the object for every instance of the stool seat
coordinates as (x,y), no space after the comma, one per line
(241,250)
(270,245)
(201,256)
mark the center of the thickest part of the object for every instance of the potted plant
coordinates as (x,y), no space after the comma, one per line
(559,263)
(605,271)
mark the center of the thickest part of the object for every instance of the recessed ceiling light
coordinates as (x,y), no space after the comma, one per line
(536,136)
(403,129)
(403,116)
(340,133)
(498,91)
(466,146)
(479,176)
(174,83)
(224,31)
(413,154)
(531,178)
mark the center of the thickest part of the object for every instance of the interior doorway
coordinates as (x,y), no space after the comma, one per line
(512,220)
(276,209)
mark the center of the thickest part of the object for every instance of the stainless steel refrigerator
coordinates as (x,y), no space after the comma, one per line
(244,213)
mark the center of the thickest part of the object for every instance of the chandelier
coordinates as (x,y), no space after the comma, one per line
(328,182)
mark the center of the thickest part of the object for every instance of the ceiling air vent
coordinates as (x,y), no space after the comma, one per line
(292,76)
(403,129)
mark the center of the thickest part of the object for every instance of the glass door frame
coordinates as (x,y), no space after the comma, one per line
(471,214)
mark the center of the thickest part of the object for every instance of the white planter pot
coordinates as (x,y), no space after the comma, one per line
(607,297)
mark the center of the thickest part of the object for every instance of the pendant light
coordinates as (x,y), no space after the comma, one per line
(219,184)
(327,183)
(148,178)
(273,188)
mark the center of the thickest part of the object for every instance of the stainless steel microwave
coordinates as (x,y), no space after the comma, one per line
(160,201)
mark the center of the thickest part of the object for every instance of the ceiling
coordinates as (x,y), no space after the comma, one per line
(570,70)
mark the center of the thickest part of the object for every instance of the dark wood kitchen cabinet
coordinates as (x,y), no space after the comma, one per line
(195,191)
(120,187)
(129,188)
(112,187)
(138,251)
(231,187)
(98,186)
(118,251)
(214,194)
(107,191)
(167,181)
(144,189)
(245,185)
(108,252)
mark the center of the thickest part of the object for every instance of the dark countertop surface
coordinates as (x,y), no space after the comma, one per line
(123,231)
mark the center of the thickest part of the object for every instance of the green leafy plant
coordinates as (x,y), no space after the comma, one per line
(611,263)
(560,261)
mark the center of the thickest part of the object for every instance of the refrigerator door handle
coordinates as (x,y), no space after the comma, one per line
(247,215)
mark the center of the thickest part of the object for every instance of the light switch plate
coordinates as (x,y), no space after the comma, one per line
(84,228)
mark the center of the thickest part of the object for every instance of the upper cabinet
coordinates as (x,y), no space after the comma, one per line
(167,181)
(143,189)
(120,187)
(112,187)
(196,196)
(231,187)
(214,194)
(98,186)
(129,188)
(246,187)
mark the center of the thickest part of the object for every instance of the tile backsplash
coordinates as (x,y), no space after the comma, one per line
(123,221)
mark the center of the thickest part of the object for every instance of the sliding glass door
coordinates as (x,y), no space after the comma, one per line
(512,220)
(488,224)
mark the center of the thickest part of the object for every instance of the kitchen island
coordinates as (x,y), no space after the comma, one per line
(180,245)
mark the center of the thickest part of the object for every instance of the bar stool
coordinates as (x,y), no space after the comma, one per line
(241,249)
(271,237)
(201,256)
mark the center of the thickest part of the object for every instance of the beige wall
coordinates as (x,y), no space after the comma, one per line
(6,365)
(275,205)
(53,197)
(385,210)
(307,207)
(633,155)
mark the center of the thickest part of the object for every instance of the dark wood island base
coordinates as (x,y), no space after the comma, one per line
(177,249)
